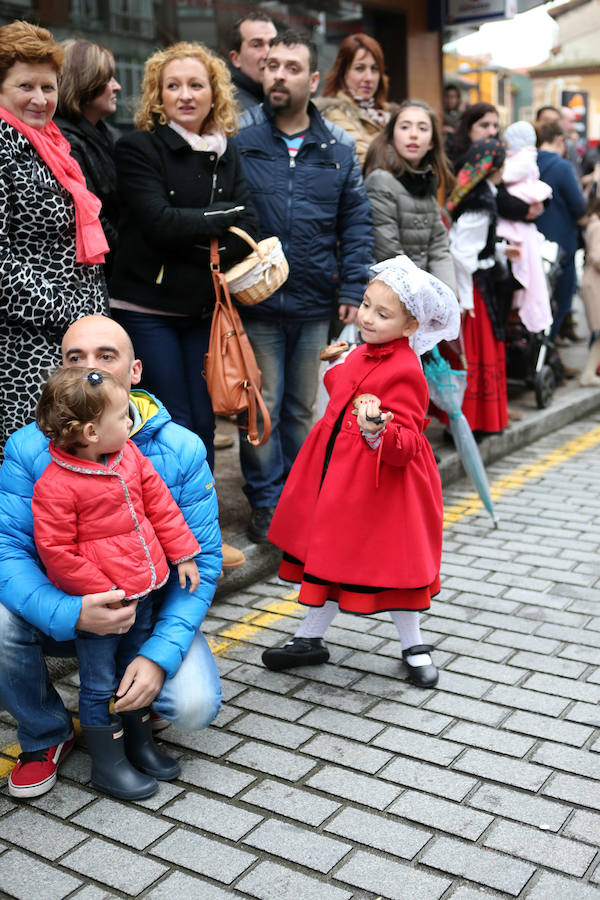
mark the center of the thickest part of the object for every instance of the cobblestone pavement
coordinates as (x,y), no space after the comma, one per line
(343,781)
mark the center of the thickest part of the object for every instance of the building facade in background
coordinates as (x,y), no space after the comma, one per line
(571,77)
(408,30)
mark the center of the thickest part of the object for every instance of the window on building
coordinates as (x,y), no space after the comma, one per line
(129,75)
(85,14)
(501,90)
(132,17)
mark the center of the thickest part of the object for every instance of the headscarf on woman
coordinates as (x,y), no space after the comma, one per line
(481,160)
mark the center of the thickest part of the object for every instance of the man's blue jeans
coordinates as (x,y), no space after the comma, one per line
(103,659)
(191,699)
(287,353)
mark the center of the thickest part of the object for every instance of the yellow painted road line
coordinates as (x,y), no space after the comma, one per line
(472,504)
(248,626)
(7,765)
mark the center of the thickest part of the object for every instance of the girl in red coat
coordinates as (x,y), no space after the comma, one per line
(360,517)
(103,519)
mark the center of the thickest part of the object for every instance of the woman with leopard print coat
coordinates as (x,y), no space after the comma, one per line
(51,241)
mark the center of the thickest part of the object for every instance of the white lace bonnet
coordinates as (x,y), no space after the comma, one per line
(428,299)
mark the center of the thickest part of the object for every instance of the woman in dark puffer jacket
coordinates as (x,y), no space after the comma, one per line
(87,95)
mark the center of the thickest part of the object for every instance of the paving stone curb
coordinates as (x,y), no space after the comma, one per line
(343,782)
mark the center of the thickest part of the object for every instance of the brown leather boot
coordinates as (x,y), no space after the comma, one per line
(567,330)
(232,557)
(222,441)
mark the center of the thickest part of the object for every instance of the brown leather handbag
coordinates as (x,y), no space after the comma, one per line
(232,375)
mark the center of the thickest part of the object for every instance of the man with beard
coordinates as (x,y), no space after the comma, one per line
(248,47)
(307,187)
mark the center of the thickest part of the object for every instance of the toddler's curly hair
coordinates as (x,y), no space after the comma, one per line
(70,400)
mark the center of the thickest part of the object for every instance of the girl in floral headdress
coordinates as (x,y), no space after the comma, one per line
(472,206)
(360,516)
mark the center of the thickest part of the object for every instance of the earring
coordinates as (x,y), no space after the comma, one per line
(212,105)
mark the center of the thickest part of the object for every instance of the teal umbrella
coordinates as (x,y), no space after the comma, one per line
(447,388)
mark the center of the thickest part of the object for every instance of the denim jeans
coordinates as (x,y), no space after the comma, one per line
(191,699)
(172,351)
(287,353)
(103,659)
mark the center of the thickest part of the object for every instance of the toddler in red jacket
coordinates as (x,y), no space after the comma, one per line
(360,516)
(103,518)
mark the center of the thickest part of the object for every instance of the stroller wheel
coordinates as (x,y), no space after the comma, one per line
(544,387)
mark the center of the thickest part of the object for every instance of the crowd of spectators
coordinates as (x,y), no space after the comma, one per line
(105,240)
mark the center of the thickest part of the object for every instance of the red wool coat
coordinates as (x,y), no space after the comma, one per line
(346,529)
(98,525)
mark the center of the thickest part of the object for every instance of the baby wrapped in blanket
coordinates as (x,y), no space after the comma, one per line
(522,180)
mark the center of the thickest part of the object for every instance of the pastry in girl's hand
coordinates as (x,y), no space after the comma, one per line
(333,351)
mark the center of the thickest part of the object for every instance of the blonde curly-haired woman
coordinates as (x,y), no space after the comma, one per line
(180,184)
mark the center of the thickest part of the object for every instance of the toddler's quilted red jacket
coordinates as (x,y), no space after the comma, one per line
(97,526)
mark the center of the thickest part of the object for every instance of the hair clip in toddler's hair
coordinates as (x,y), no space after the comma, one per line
(94,378)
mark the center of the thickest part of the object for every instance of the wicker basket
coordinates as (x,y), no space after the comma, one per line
(261,273)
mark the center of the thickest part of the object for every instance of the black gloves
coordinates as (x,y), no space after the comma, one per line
(219,216)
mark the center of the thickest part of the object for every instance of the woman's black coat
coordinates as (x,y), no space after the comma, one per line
(94,149)
(173,200)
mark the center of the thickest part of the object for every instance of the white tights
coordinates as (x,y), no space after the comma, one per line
(319,618)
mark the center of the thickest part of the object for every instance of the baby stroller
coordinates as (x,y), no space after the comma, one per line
(532,358)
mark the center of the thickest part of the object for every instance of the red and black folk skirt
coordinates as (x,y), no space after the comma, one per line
(355,598)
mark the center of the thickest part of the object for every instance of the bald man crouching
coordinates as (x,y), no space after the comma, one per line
(175,671)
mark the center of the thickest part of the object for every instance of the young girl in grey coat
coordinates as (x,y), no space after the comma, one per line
(405,165)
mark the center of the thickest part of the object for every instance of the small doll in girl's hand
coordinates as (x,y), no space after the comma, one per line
(103,518)
(360,516)
(370,406)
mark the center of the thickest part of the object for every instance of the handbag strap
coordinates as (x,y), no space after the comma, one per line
(255,400)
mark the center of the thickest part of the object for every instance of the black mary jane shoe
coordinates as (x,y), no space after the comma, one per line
(421,676)
(297,652)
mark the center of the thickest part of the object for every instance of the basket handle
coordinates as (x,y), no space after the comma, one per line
(246,237)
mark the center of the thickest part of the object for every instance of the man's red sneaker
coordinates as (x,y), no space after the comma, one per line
(35,771)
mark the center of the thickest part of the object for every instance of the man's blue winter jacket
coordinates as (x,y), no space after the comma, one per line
(179,457)
(318,207)
(558,222)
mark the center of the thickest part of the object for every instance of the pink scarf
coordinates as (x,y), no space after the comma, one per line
(214,140)
(54,149)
